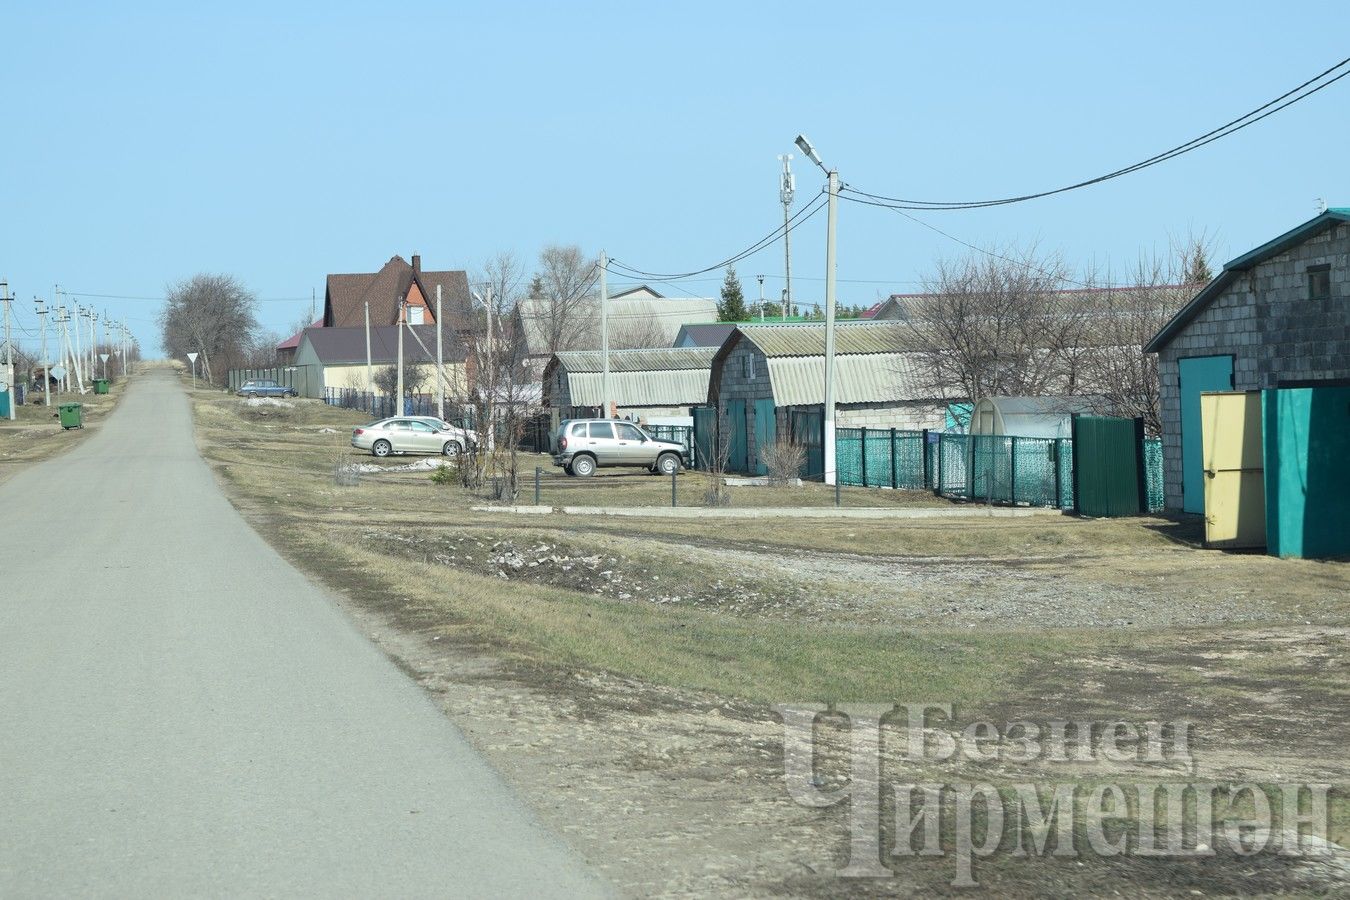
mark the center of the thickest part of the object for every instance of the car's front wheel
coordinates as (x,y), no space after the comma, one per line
(583,466)
(253,395)
(451,448)
(668,464)
(381,448)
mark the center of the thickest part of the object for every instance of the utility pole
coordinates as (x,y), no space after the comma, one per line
(370,375)
(761,297)
(440,362)
(398,404)
(604,336)
(787,188)
(46,362)
(78,352)
(832,185)
(9,353)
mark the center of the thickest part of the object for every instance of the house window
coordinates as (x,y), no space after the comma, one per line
(416,315)
(1319,282)
(749,367)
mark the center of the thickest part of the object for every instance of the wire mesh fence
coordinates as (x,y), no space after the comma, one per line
(679,434)
(995,468)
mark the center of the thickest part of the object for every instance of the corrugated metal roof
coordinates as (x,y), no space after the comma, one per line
(859,378)
(664,315)
(682,387)
(664,359)
(851,337)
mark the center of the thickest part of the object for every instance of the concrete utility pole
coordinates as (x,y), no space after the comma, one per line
(46,362)
(787,188)
(832,183)
(761,296)
(604,337)
(440,362)
(370,373)
(398,403)
(9,352)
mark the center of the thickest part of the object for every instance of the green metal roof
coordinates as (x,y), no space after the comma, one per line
(1291,238)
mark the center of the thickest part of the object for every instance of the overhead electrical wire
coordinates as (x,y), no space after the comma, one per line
(801,216)
(1285,100)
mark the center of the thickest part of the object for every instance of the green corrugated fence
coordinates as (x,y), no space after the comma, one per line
(998,468)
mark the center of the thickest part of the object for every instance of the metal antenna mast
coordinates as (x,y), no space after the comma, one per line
(786,189)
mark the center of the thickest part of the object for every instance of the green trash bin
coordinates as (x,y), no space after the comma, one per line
(72,415)
(100,385)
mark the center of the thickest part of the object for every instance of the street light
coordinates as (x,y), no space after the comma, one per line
(832,187)
(492,365)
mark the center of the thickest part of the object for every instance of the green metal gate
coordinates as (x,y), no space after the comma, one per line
(1108,471)
(765,422)
(736,428)
(705,436)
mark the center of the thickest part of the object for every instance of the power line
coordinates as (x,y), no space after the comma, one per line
(79,294)
(1284,101)
(768,240)
(978,249)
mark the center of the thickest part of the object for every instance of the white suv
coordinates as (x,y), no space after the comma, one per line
(585,444)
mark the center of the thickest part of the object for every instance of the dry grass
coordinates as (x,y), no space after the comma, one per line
(36,434)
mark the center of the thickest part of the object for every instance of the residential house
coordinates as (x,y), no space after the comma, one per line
(647,385)
(1278,315)
(334,358)
(768,381)
(635,322)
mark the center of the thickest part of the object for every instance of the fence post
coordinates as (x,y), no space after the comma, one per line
(937,465)
(1012,470)
(895,482)
(1140,465)
(862,452)
(1055,450)
(675,472)
(1073,463)
(923,459)
(538,470)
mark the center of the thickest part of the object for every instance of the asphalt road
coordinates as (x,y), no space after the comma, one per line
(183,713)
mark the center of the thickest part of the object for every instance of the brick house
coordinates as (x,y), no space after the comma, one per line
(1278,314)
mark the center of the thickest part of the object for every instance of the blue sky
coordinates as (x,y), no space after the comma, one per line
(279,142)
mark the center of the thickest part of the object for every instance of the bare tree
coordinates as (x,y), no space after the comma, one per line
(1118,377)
(996,323)
(213,315)
(567,279)
(415,375)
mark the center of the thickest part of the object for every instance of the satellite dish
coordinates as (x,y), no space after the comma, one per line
(58,372)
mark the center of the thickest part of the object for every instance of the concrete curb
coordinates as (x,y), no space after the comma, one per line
(779,512)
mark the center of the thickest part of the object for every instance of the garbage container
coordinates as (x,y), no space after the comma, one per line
(72,415)
(100,385)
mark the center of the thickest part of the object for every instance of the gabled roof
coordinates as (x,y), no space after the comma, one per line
(851,336)
(582,331)
(663,359)
(671,376)
(636,292)
(347,346)
(704,334)
(346,295)
(293,341)
(873,362)
(1245,262)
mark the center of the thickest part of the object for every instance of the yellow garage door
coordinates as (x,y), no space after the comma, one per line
(1235,493)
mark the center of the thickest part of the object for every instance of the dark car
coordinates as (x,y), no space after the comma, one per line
(265,389)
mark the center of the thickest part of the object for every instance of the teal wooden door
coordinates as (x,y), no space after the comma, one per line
(736,435)
(765,432)
(1197,374)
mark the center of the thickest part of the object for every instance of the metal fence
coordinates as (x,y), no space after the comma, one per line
(994,468)
(381,406)
(679,434)
(299,378)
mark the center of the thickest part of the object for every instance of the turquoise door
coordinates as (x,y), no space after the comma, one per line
(1198,373)
(765,422)
(736,435)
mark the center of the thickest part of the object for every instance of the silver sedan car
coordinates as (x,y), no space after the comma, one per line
(409,434)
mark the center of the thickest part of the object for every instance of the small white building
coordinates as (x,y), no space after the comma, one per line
(1042,417)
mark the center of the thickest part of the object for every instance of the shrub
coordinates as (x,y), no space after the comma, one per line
(784,460)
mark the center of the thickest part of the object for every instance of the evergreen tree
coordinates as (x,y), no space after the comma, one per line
(731,308)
